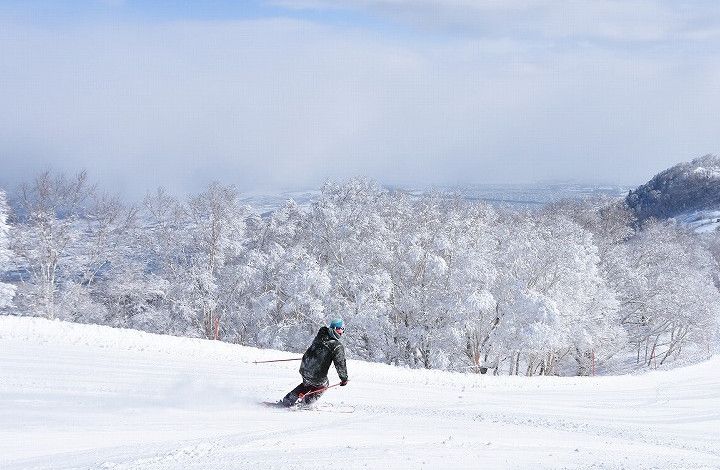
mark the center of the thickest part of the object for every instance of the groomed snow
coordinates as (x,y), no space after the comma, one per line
(82,396)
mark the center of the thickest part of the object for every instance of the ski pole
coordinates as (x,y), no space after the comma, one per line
(278,360)
(300,397)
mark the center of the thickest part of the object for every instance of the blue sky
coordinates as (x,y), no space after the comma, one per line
(64,12)
(288,94)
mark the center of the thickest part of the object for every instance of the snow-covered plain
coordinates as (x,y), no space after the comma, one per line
(81,396)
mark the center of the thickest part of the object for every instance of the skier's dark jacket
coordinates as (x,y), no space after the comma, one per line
(316,360)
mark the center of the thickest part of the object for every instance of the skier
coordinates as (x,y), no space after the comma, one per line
(325,348)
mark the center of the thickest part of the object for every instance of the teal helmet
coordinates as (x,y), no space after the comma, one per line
(337,323)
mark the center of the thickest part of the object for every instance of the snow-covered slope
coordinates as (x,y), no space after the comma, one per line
(79,396)
(706,221)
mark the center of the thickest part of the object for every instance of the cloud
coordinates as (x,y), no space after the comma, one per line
(269,103)
(613,20)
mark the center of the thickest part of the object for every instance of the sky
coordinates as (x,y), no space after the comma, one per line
(270,95)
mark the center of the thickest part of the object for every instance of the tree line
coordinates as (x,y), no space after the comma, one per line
(431,281)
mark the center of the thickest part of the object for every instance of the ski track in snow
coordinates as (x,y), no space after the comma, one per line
(90,397)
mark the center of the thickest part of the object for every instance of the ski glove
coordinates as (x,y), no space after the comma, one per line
(343,382)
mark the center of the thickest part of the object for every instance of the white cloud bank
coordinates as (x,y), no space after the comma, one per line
(291,102)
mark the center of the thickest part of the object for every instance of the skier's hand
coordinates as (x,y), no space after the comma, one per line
(344,382)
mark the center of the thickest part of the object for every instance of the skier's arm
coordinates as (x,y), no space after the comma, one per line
(339,361)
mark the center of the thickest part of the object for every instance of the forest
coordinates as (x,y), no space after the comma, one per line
(575,287)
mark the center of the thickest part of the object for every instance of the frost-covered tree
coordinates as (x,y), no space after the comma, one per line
(149,298)
(469,250)
(108,228)
(428,281)
(7,291)
(417,273)
(105,261)
(552,301)
(73,247)
(667,292)
(48,214)
(278,289)
(217,229)
(442,272)
(348,233)
(610,221)
(190,246)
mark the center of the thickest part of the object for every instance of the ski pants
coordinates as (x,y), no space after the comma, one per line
(299,392)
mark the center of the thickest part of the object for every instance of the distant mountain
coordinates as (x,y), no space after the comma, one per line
(688,192)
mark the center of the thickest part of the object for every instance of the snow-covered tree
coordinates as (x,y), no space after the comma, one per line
(552,301)
(470,254)
(217,229)
(667,292)
(49,210)
(149,297)
(348,233)
(442,272)
(108,228)
(190,246)
(7,291)
(431,281)
(279,290)
(609,220)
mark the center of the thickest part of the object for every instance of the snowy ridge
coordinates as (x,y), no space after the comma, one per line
(85,396)
(679,190)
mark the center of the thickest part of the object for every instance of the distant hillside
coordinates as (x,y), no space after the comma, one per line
(680,191)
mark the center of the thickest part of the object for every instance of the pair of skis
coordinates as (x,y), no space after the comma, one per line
(326,407)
